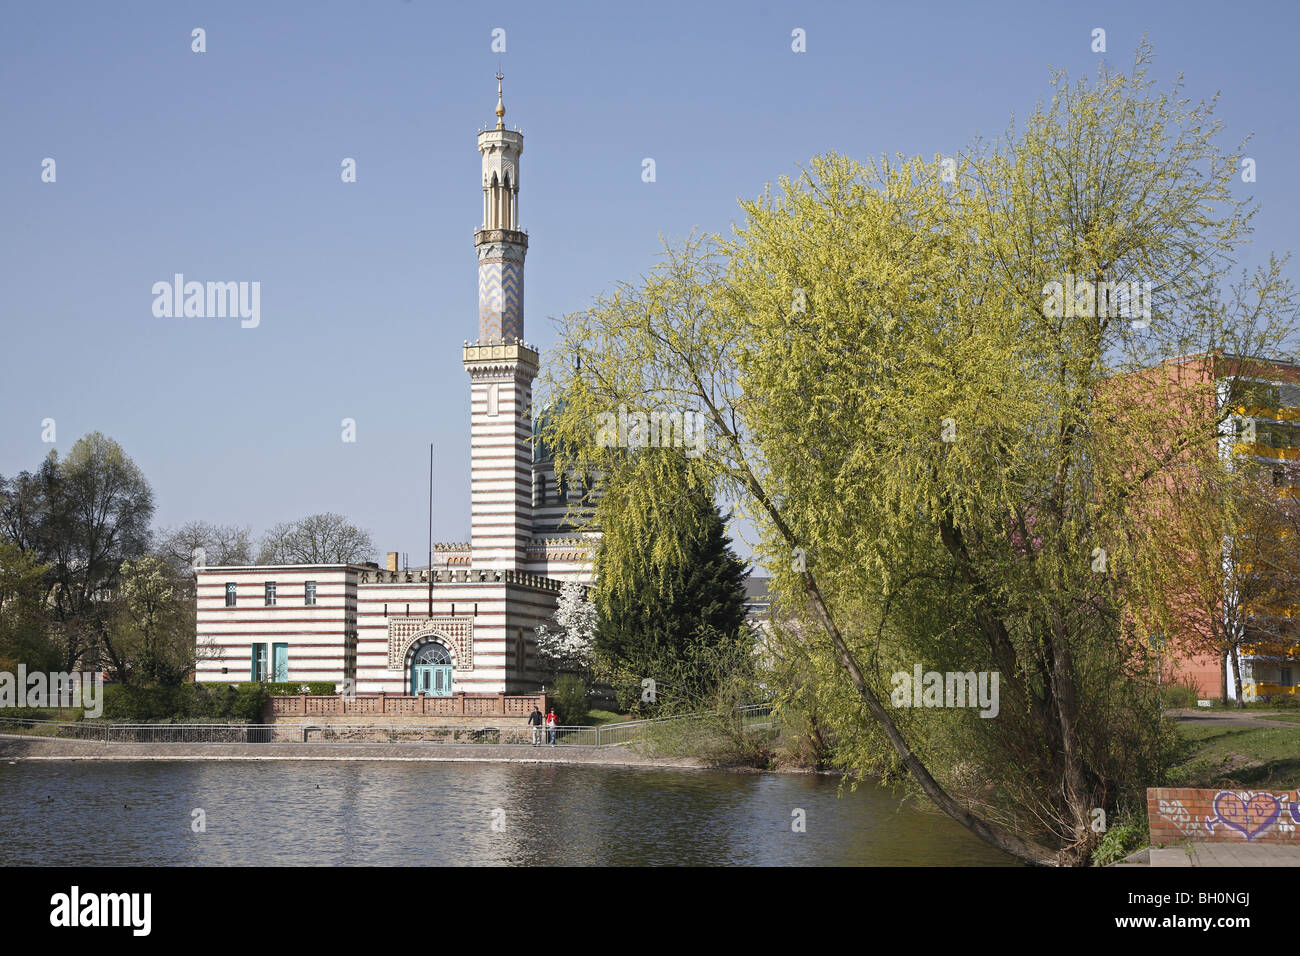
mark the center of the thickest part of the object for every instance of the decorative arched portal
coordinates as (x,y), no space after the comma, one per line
(429,670)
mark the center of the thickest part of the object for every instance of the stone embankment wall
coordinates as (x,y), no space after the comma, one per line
(19,748)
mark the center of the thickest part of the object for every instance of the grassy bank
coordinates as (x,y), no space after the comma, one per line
(1236,757)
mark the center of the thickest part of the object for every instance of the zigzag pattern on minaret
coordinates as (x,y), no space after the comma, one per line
(500,297)
(489,301)
(512,300)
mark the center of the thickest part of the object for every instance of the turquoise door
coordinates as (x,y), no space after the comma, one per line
(431,671)
(280,661)
(431,679)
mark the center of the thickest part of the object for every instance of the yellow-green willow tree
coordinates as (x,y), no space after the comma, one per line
(928,436)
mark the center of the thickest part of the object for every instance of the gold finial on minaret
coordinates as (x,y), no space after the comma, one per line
(501,107)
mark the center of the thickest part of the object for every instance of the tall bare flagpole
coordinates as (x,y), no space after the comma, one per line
(430,572)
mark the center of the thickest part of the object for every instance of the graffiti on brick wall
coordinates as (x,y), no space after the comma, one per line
(1253,813)
(1174,812)
(1224,815)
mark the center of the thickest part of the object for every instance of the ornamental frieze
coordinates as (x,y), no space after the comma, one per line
(456,632)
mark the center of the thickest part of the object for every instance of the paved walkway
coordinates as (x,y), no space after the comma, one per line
(16,747)
(1229,718)
(1227,854)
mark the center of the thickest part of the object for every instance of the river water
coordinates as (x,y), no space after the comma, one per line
(319,813)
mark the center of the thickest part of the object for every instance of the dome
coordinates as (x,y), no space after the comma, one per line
(543,453)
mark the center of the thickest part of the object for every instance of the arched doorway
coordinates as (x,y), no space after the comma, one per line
(431,670)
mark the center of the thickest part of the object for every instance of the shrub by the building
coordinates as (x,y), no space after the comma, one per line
(185,702)
(571,699)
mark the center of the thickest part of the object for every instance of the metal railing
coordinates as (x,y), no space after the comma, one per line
(751,717)
(108,732)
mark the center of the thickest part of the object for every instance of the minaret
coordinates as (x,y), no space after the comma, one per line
(501,365)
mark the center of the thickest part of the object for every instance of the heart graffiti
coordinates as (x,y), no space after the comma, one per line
(1249,814)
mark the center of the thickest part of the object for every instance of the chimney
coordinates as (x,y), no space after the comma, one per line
(392,561)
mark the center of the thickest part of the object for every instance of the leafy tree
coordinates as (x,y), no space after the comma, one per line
(1222,538)
(24,501)
(151,639)
(81,517)
(325,538)
(23,635)
(927,442)
(74,573)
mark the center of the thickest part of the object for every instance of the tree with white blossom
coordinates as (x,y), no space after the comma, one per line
(568,646)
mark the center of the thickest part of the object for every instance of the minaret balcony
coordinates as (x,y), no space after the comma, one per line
(493,353)
(501,141)
(516,237)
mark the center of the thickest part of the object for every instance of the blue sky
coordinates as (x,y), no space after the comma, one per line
(225,165)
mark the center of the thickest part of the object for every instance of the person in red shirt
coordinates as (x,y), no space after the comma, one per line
(551,722)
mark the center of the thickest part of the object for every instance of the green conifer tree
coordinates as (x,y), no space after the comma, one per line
(686,602)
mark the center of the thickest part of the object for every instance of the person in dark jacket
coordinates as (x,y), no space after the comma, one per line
(535,722)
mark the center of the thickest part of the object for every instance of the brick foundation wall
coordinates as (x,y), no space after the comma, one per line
(385,720)
(516,734)
(1179,815)
(395,707)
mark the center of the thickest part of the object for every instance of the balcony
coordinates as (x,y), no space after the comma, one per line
(1267,414)
(1256,450)
(1271,651)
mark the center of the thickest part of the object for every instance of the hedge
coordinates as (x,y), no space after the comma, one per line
(292,688)
(186,703)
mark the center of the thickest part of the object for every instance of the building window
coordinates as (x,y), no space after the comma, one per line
(1284,677)
(493,401)
(230,594)
(309,593)
(270,594)
(258,670)
(280,662)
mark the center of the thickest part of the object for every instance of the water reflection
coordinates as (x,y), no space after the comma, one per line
(372,812)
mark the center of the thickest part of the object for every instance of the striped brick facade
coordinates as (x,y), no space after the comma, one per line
(321,638)
(501,465)
(367,623)
(490,594)
(499,610)
(557,548)
(564,559)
